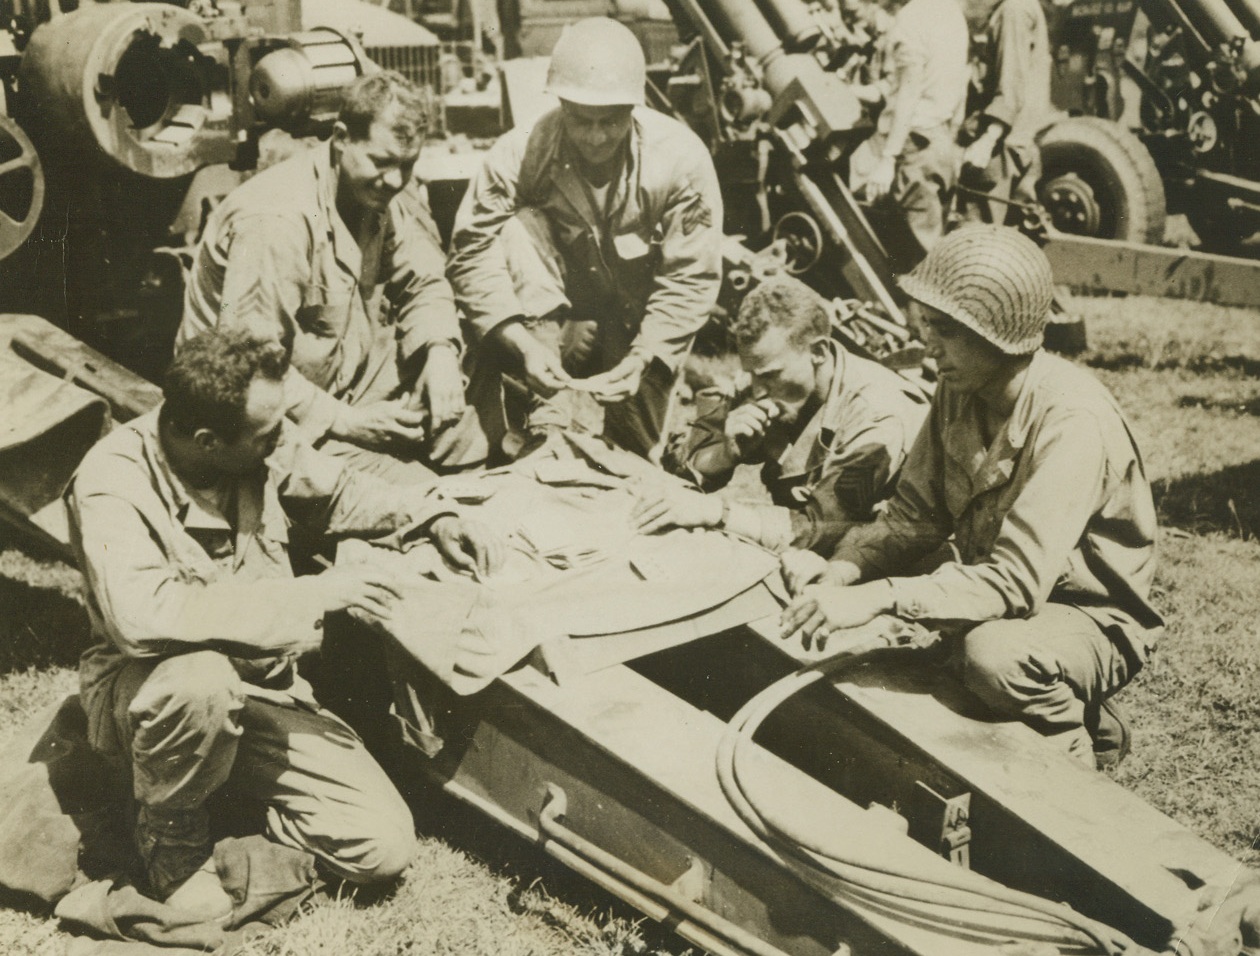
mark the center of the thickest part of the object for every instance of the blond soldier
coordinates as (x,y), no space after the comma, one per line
(829,429)
(1027,466)
(325,251)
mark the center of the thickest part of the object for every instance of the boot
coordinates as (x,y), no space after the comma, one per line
(1112,739)
(178,861)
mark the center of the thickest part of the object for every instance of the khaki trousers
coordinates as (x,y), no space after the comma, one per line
(189,728)
(1052,670)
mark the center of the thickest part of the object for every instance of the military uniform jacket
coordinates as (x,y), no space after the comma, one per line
(651,259)
(278,258)
(168,572)
(841,465)
(1056,508)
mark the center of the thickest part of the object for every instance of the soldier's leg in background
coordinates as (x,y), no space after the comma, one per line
(324,792)
(924,172)
(1052,671)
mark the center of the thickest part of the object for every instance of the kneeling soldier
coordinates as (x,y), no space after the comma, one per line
(1029,468)
(180,522)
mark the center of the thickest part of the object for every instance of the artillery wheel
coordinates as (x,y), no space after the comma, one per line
(1099,180)
(21,187)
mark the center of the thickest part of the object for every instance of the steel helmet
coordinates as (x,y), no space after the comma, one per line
(992,279)
(598,62)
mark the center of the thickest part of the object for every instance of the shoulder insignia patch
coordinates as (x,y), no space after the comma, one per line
(697,215)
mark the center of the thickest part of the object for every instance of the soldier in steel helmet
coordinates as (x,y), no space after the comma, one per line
(1027,467)
(587,251)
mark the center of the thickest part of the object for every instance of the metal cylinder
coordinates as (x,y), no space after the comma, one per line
(792,23)
(1248,14)
(127,80)
(1217,26)
(298,88)
(741,21)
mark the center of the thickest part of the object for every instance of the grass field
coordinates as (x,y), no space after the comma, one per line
(1186,376)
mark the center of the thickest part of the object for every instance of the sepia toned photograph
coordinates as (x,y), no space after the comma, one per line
(629,477)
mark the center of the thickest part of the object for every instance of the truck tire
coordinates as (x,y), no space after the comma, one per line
(1099,180)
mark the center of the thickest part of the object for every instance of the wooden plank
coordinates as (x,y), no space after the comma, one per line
(1097,266)
(637,764)
(1018,775)
(60,354)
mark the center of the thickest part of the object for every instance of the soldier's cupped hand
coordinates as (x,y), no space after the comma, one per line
(440,387)
(746,424)
(619,382)
(360,587)
(382,425)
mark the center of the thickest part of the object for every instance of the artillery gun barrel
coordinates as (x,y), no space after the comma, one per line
(1248,14)
(793,22)
(1216,25)
(833,105)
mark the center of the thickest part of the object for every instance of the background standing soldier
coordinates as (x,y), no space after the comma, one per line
(908,167)
(1010,107)
(587,251)
(324,252)
(830,430)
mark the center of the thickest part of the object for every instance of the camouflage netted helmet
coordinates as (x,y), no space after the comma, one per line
(992,279)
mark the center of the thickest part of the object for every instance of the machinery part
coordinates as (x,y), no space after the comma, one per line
(803,241)
(601,867)
(128,80)
(298,87)
(1215,26)
(793,21)
(21,187)
(1099,180)
(1098,267)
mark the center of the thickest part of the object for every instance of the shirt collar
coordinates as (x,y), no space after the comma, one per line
(186,507)
(993,466)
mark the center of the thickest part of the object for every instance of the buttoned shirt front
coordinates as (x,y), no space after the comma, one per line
(278,258)
(170,568)
(650,254)
(1056,508)
(841,464)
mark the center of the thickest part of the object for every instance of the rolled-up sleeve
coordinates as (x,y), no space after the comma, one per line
(686,284)
(1036,538)
(339,500)
(1013,31)
(477,268)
